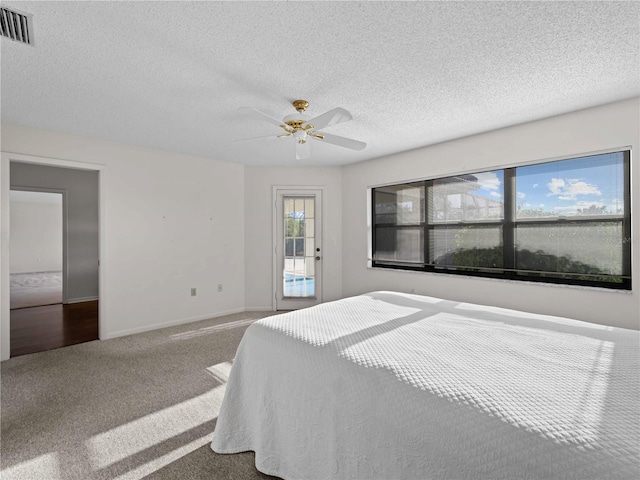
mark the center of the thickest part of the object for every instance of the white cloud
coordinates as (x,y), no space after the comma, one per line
(495,194)
(582,188)
(556,185)
(571,188)
(488,180)
(535,185)
(520,194)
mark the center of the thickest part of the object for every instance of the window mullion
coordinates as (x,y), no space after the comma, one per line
(508,223)
(428,209)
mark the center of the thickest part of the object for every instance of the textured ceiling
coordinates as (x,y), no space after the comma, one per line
(171,75)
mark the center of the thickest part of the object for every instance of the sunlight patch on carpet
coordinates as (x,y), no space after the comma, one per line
(220,371)
(213,329)
(143,433)
(43,466)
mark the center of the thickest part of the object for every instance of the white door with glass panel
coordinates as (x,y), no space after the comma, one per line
(298,252)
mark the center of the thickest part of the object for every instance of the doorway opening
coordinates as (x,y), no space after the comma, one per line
(53,257)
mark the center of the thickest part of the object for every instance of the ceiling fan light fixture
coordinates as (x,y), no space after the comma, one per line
(300,136)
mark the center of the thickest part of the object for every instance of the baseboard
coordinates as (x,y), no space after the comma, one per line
(173,323)
(259,309)
(81,299)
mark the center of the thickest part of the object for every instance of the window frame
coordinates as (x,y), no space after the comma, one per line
(509,224)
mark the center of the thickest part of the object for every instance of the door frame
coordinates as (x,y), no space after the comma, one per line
(65,231)
(293,190)
(5,187)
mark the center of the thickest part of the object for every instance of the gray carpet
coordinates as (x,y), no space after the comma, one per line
(142,406)
(35,289)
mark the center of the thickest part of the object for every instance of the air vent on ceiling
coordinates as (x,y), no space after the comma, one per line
(16,25)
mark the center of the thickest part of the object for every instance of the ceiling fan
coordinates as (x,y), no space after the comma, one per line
(302,127)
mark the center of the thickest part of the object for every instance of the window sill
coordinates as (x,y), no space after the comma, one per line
(504,280)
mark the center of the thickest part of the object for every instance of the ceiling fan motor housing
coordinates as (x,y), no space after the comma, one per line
(300,105)
(296,120)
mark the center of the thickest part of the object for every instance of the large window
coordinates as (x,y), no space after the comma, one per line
(566,221)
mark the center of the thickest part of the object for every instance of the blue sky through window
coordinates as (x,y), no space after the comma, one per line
(588,185)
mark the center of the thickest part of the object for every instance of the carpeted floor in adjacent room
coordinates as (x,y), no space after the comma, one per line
(35,289)
(142,406)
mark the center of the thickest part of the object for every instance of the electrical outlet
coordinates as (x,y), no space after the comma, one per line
(219,287)
(193,292)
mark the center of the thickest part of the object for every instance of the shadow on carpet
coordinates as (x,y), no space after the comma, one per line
(204,463)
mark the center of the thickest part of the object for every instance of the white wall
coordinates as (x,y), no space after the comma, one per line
(606,127)
(259,226)
(36,236)
(169,222)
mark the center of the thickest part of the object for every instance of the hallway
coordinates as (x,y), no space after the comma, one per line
(37,329)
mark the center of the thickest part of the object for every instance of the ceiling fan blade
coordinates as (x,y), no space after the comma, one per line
(340,141)
(258,115)
(257,138)
(332,117)
(302,150)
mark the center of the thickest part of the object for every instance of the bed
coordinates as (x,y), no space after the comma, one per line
(388,385)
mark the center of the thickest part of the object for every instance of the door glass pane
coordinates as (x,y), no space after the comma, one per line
(288,207)
(289,227)
(309,208)
(288,247)
(300,224)
(309,266)
(309,228)
(298,274)
(309,248)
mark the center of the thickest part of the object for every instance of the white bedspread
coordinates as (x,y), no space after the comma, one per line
(388,385)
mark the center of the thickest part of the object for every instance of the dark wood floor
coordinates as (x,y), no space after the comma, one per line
(37,329)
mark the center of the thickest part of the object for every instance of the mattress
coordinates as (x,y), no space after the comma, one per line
(389,385)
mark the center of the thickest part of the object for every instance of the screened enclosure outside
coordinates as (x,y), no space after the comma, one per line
(467,246)
(566,221)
